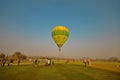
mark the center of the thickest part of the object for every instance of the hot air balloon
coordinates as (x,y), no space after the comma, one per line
(60,35)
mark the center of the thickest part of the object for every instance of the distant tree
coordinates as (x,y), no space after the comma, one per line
(2,55)
(23,57)
(19,55)
(113,59)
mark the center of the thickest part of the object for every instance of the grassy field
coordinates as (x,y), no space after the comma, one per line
(59,71)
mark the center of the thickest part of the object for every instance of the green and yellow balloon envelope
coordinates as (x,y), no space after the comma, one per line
(60,35)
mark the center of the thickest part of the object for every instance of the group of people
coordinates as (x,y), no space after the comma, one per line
(87,61)
(36,61)
(8,62)
(49,61)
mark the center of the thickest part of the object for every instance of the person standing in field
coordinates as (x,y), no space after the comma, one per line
(52,61)
(11,61)
(8,62)
(89,61)
(36,61)
(49,61)
(85,61)
(18,61)
(3,62)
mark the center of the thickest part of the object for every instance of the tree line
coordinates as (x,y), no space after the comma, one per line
(17,55)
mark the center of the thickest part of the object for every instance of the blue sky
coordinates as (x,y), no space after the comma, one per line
(25,25)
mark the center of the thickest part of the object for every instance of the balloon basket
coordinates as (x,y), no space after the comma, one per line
(59,49)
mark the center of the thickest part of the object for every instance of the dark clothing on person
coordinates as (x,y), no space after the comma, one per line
(8,62)
(85,61)
(3,62)
(36,61)
(19,62)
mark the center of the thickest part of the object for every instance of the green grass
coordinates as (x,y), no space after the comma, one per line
(112,66)
(58,71)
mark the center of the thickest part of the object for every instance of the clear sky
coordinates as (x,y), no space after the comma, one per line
(94,25)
